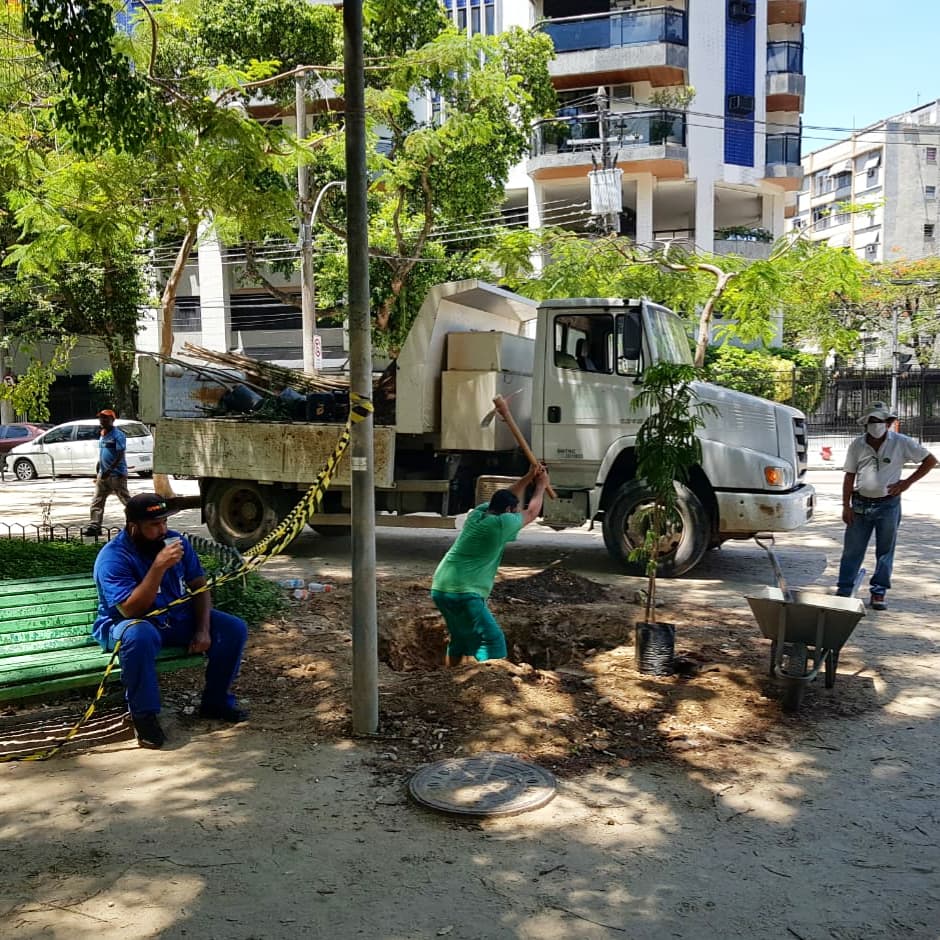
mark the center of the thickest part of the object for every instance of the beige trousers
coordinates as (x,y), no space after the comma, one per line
(104,487)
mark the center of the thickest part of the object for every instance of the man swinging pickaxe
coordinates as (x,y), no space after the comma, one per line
(464,578)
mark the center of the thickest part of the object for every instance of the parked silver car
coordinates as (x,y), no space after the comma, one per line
(71,449)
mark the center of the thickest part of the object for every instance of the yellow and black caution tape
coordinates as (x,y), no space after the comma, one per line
(272,544)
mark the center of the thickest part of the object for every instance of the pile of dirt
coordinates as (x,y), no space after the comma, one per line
(570,695)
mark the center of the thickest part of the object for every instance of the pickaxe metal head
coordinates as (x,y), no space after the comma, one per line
(488,417)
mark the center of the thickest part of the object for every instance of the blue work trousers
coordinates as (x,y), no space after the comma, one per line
(883,518)
(141,641)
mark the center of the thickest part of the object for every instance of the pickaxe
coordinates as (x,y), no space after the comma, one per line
(501,408)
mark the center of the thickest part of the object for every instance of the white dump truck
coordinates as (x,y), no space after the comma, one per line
(571,367)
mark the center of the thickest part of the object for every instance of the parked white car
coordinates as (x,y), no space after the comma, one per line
(71,449)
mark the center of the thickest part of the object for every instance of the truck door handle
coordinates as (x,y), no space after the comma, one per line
(554,414)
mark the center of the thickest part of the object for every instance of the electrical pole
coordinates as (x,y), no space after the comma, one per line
(894,360)
(307,305)
(606,188)
(365,693)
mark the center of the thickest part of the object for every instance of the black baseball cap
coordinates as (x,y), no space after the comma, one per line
(147,507)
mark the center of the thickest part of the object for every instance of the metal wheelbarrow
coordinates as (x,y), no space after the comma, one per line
(807,631)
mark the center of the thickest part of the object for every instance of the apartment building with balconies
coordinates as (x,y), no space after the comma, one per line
(876,190)
(729,160)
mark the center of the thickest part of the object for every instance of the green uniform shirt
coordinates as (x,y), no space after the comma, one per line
(470,566)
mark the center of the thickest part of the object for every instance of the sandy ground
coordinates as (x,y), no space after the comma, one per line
(815,826)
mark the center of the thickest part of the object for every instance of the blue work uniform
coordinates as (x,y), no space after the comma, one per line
(119,568)
(112,447)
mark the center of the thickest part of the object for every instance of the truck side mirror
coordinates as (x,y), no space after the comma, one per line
(632,336)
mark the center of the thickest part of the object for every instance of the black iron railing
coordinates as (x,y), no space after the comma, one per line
(613,30)
(566,134)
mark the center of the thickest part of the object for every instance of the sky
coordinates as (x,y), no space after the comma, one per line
(865,60)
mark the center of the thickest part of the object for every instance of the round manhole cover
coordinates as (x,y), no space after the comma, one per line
(483,785)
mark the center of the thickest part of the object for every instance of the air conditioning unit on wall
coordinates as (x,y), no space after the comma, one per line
(741,10)
(740,104)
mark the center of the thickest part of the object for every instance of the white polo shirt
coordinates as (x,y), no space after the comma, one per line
(876,470)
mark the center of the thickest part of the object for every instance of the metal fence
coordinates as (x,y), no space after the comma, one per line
(833,399)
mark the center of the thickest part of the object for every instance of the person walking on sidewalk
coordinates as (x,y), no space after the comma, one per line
(871,498)
(141,570)
(112,470)
(464,578)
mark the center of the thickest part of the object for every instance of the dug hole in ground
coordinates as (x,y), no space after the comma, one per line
(687,806)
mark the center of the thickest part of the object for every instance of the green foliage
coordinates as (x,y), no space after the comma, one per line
(239,32)
(909,291)
(20,558)
(103,91)
(30,395)
(783,375)
(667,449)
(802,280)
(253,598)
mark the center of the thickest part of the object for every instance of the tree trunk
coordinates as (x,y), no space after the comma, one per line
(705,319)
(168,298)
(121,358)
(161,482)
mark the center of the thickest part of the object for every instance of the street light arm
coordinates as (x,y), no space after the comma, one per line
(320,195)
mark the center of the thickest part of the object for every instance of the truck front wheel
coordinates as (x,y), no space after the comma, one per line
(626,523)
(240,512)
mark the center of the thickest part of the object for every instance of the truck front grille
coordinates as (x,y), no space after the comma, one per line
(802,447)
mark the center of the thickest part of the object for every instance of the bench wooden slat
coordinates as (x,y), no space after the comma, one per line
(46,645)
(59,582)
(15,608)
(78,624)
(30,643)
(169,661)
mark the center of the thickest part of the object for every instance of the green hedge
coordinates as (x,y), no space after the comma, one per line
(252,597)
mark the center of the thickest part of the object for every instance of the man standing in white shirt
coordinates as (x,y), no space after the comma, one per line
(871,498)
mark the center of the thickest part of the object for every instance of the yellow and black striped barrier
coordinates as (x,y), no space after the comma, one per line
(273,544)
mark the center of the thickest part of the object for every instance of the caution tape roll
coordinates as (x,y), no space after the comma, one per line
(271,545)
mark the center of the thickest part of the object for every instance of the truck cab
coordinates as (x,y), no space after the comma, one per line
(591,355)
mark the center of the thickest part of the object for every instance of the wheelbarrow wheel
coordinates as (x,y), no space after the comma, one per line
(794,663)
(832,664)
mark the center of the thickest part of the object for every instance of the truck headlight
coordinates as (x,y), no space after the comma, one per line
(777,477)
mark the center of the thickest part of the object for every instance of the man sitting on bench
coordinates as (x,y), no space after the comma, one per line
(143,569)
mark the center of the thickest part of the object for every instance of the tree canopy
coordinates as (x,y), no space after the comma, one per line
(801,280)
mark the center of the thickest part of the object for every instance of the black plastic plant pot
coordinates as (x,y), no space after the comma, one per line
(655,648)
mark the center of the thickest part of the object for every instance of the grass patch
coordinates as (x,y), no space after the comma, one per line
(252,597)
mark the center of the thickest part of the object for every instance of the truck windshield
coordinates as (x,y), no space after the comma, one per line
(667,336)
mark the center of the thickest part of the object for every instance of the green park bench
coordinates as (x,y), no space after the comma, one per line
(46,645)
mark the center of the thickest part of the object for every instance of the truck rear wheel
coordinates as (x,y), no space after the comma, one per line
(626,522)
(240,512)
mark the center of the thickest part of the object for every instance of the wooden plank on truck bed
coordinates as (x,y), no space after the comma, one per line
(270,452)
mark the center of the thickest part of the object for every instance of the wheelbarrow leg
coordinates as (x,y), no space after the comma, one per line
(832,664)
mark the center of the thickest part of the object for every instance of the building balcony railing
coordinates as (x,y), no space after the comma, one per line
(581,133)
(613,30)
(784,57)
(783,148)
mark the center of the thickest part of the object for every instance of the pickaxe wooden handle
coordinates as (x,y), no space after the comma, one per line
(502,409)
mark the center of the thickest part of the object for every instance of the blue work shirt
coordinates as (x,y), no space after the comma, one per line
(120,567)
(111,448)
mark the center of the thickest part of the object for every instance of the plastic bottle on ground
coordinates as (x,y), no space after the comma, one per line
(291,583)
(315,587)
